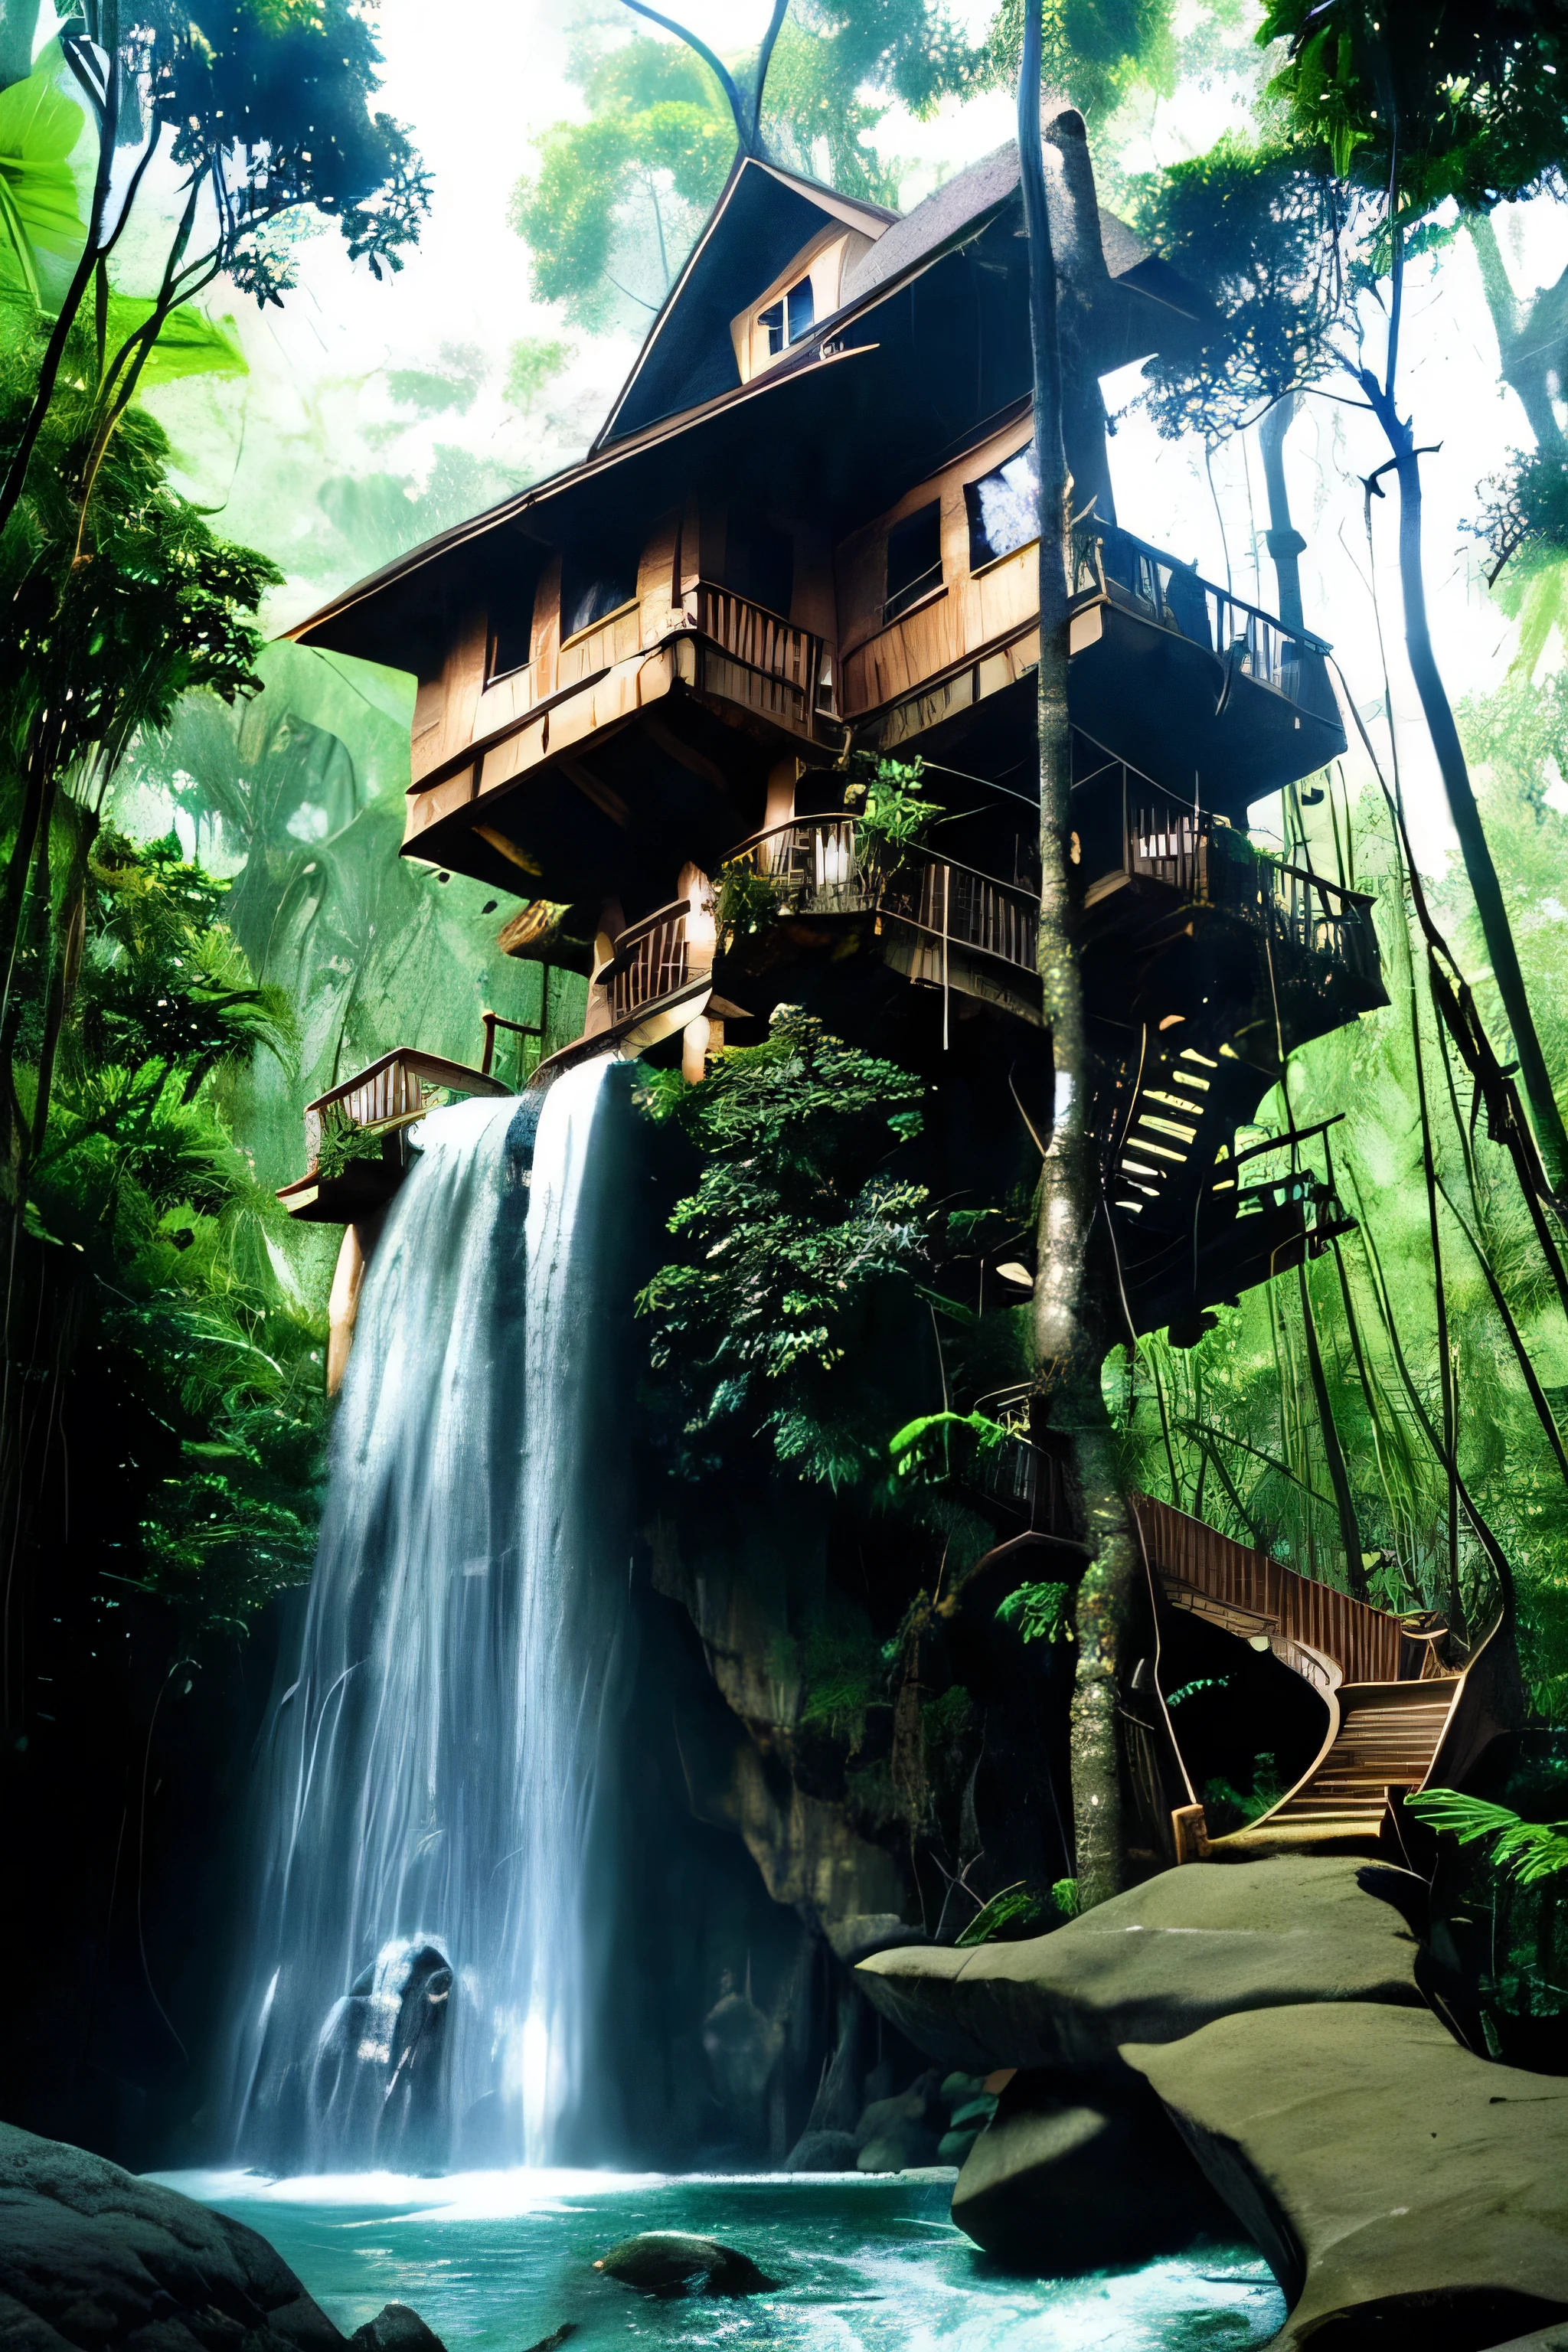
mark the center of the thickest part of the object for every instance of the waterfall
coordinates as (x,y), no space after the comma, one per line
(425,1970)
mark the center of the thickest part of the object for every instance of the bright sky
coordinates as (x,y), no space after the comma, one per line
(317,404)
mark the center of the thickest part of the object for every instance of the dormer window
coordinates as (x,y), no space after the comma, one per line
(789,319)
(786,311)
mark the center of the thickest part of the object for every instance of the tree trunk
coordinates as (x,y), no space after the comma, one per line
(1497,931)
(1068,1350)
(1285,544)
(1530,338)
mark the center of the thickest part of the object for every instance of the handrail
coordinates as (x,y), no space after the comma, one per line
(757,638)
(1364,1642)
(1019,890)
(977,912)
(391,1092)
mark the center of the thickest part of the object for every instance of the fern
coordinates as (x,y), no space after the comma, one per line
(1525,1851)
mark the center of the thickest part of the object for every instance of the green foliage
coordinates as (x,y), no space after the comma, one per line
(1230,1808)
(1042,1613)
(617,199)
(1196,1687)
(39,223)
(1525,1851)
(533,362)
(117,612)
(747,902)
(345,1146)
(626,191)
(916,1448)
(1110,46)
(138,1184)
(1064,1894)
(274,101)
(1471,97)
(1257,229)
(453,387)
(845,1677)
(798,1233)
(1013,1913)
(891,815)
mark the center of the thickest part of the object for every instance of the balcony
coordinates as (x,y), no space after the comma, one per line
(655,721)
(1174,673)
(942,924)
(1153,864)
(356,1134)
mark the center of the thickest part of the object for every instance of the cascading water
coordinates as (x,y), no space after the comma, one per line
(425,1970)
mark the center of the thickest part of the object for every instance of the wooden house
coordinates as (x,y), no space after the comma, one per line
(807,529)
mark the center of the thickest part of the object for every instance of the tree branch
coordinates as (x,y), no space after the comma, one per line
(714,64)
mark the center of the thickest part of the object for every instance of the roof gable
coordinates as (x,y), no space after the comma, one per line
(762,221)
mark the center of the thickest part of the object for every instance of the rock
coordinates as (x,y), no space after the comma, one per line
(556,2337)
(822,2151)
(1063,2182)
(395,2328)
(90,2255)
(663,2261)
(1405,2192)
(900,2147)
(890,2115)
(1156,1964)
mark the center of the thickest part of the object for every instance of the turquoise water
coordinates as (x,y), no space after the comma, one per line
(493,2262)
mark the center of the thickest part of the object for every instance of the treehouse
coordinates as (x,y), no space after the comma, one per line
(808,531)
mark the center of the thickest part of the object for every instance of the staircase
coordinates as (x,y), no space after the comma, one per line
(1387,1739)
(1390,1697)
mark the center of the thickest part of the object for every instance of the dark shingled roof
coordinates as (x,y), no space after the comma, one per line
(964,199)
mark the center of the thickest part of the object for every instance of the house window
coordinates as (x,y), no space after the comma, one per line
(789,319)
(914,560)
(596,579)
(801,309)
(1004,507)
(511,631)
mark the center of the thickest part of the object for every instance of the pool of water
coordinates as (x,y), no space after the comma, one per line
(494,2262)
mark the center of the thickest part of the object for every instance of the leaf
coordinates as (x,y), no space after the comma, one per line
(189,343)
(40,127)
(1527,1851)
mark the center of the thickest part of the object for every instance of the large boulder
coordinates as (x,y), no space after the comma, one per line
(93,2257)
(1163,1961)
(1407,2195)
(668,2261)
(1067,2178)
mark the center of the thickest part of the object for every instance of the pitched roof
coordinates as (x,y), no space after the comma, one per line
(761,221)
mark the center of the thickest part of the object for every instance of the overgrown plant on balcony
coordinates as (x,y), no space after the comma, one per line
(892,814)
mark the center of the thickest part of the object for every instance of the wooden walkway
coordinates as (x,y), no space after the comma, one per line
(1394,1689)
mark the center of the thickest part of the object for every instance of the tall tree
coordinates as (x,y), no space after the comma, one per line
(1289,240)
(1417,106)
(1070,1333)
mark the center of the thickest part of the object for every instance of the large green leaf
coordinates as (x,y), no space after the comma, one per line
(189,343)
(40,127)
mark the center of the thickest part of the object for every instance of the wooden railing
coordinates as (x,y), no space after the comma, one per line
(1205,1572)
(659,957)
(823,865)
(1128,571)
(403,1085)
(788,663)
(1202,860)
